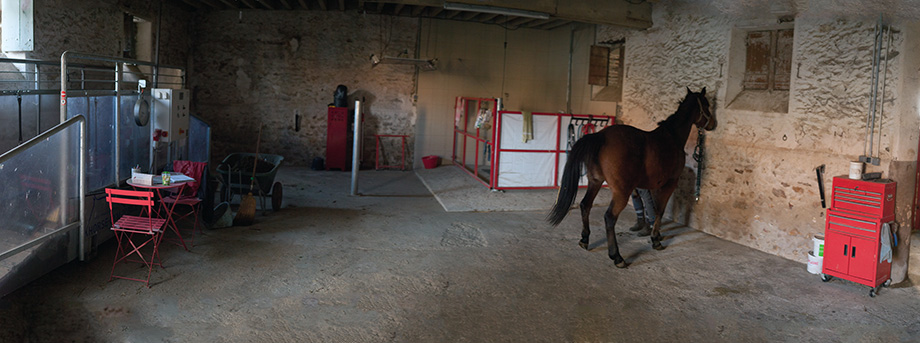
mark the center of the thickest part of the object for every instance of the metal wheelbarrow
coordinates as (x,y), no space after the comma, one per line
(236,172)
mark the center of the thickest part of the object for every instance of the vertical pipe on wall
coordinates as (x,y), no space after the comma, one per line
(118,70)
(156,54)
(63,87)
(63,155)
(38,118)
(356,148)
(881,112)
(568,85)
(82,189)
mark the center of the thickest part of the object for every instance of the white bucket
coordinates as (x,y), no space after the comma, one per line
(814,263)
(818,249)
(856,170)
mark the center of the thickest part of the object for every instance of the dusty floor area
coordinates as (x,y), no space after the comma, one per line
(392,265)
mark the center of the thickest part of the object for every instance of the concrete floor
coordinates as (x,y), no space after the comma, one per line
(392,265)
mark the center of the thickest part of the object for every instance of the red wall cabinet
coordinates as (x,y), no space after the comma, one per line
(852,231)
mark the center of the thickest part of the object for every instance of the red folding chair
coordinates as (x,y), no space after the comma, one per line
(189,197)
(135,233)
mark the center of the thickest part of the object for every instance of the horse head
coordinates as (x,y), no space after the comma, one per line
(703,117)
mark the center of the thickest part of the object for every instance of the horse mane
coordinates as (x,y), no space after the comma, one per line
(677,119)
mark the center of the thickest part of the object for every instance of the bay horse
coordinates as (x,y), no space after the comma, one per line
(629,158)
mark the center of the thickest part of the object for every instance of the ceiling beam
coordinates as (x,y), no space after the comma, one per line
(488,17)
(342,5)
(417,10)
(322,4)
(249,3)
(536,23)
(192,3)
(504,19)
(434,11)
(266,4)
(399,8)
(451,14)
(553,26)
(230,4)
(286,4)
(380,7)
(521,21)
(622,13)
(303,4)
(469,15)
(213,4)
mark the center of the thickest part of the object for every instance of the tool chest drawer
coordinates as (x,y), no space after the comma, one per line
(874,198)
(853,224)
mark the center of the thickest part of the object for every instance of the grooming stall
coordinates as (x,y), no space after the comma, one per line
(514,149)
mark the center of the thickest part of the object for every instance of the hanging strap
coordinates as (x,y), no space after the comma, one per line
(698,157)
(19,100)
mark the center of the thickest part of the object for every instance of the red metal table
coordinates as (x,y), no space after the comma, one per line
(166,210)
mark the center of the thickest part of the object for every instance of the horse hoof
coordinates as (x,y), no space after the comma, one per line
(618,261)
(584,245)
(657,246)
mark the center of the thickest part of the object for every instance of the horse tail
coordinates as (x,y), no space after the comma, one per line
(587,147)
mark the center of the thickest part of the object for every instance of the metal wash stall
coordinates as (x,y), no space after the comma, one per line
(70,140)
(513,149)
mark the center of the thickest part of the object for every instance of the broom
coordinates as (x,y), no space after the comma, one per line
(247,213)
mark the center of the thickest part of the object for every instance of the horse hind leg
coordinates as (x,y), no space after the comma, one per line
(613,249)
(585,206)
(661,202)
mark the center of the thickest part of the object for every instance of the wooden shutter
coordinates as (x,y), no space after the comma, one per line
(783,68)
(597,70)
(615,75)
(757,65)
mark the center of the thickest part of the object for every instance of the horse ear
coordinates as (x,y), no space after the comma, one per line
(703,92)
(688,90)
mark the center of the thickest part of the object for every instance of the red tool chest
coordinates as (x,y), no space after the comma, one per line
(852,231)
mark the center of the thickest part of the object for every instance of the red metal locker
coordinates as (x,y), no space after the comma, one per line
(337,138)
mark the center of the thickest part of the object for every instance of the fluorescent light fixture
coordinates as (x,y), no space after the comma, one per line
(454,6)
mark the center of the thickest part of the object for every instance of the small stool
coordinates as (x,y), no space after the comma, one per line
(378,165)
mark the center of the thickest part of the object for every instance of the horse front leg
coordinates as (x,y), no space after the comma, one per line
(661,201)
(586,203)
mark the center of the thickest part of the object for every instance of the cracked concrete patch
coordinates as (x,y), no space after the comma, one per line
(463,235)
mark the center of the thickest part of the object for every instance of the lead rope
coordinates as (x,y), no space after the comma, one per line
(698,157)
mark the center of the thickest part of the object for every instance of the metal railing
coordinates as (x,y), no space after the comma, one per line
(62,206)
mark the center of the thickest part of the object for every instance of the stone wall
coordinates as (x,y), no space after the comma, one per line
(759,186)
(96,27)
(269,66)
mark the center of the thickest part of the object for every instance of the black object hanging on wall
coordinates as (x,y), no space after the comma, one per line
(341,96)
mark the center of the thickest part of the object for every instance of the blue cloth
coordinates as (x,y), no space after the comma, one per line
(644,204)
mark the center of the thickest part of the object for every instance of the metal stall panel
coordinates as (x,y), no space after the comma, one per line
(41,213)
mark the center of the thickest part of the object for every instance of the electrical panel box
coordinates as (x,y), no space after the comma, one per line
(170,115)
(171,119)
